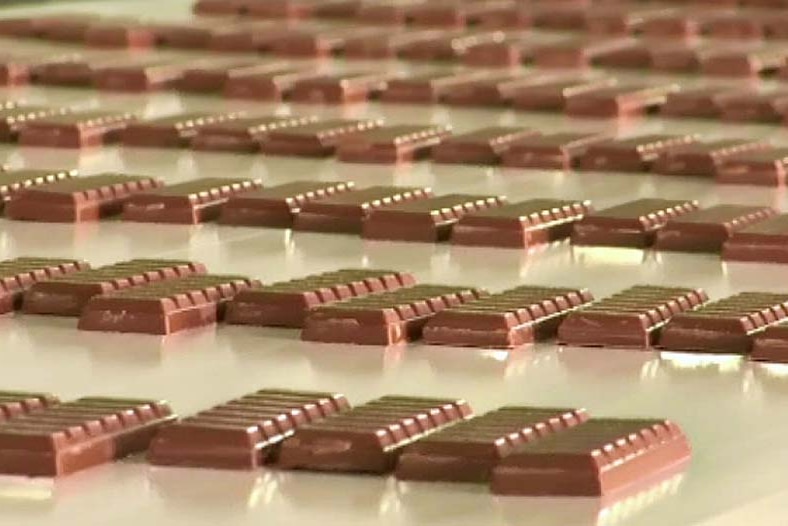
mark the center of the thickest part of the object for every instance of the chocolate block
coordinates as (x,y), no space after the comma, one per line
(428,88)
(507,319)
(706,230)
(388,12)
(509,51)
(556,151)
(12,119)
(744,62)
(614,20)
(346,212)
(599,457)
(392,144)
(190,34)
(67,295)
(763,167)
(19,274)
(244,433)
(634,224)
(763,242)
(87,198)
(553,95)
(454,14)
(315,139)
(387,43)
(369,438)
(164,307)
(725,326)
(635,154)
(119,35)
(771,345)
(469,450)
(12,182)
(320,42)
(213,77)
(631,318)
(342,88)
(493,90)
(705,102)
(754,106)
(579,52)
(248,37)
(74,70)
(74,130)
(483,146)
(267,85)
(175,131)
(221,7)
(687,23)
(452,45)
(243,134)
(191,202)
(520,225)
(635,55)
(619,101)
(297,9)
(704,158)
(20,68)
(389,318)
(17,403)
(277,206)
(514,16)
(686,57)
(287,303)
(138,75)
(739,25)
(73,436)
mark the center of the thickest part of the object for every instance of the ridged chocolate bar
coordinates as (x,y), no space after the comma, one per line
(482,146)
(138,74)
(727,325)
(384,319)
(468,451)
(319,42)
(453,14)
(266,85)
(620,101)
(600,457)
(426,220)
(615,20)
(450,45)
(12,182)
(751,105)
(164,307)
(707,229)
(554,151)
(67,295)
(631,318)
(771,345)
(369,438)
(287,303)
(18,275)
(763,242)
(76,435)
(14,404)
(520,225)
(191,202)
(317,139)
(744,61)
(507,319)
(761,167)
(244,433)
(634,224)
(212,77)
(391,144)
(553,95)
(703,102)
(277,206)
(346,212)
(580,52)
(175,131)
(428,87)
(705,159)
(86,198)
(634,154)
(513,49)
(386,43)
(74,130)
(341,88)
(244,134)
(13,118)
(493,90)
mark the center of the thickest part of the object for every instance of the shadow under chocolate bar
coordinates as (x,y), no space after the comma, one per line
(20,274)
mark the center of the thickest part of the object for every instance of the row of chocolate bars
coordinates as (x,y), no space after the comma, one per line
(518,450)
(381,307)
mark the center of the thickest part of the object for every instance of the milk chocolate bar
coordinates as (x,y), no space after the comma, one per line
(213,77)
(75,69)
(322,42)
(268,85)
(493,90)
(387,43)
(120,35)
(298,9)
(619,101)
(73,436)
(743,62)
(12,182)
(388,12)
(428,87)
(19,274)
(706,230)
(634,224)
(138,75)
(391,144)
(520,225)
(771,345)
(482,146)
(704,102)
(389,318)
(315,139)
(510,51)
(452,45)
(342,88)
(454,14)
(685,23)
(763,242)
(221,7)
(18,403)
(739,25)
(763,167)
(175,131)
(634,154)
(87,198)
(553,95)
(277,206)
(287,303)
(468,451)
(244,433)
(580,52)
(754,106)
(555,151)
(615,20)
(507,319)
(244,134)
(704,158)
(369,438)
(190,34)
(686,57)
(74,130)
(635,55)
(248,37)
(67,295)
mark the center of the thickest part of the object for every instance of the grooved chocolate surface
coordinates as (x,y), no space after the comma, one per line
(19,274)
(482,146)
(317,139)
(556,151)
(13,182)
(369,438)
(507,319)
(391,144)
(242,135)
(634,154)
(175,131)
(286,304)
(73,436)
(18,403)
(244,433)
(759,167)
(704,158)
(67,295)
(74,130)
(630,318)
(763,242)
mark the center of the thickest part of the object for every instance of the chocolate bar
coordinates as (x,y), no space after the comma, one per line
(520,225)
(214,76)
(553,95)
(138,75)
(244,433)
(613,20)
(738,25)
(704,102)
(74,130)
(119,35)
(18,403)
(298,9)
(315,139)
(389,318)
(580,52)
(725,326)
(221,7)
(482,146)
(468,451)
(391,144)
(346,212)
(175,131)
(600,457)
(267,85)
(387,44)
(515,15)
(287,303)
(87,198)
(453,14)
(754,106)
(493,90)
(191,202)
(321,42)
(248,37)
(189,34)
(510,51)
(771,345)
(73,436)
(685,23)
(763,242)
(631,318)
(561,17)
(706,230)
(387,12)
(19,69)
(635,55)
(428,87)
(555,151)
(763,167)
(369,438)
(242,134)
(342,88)
(13,182)
(507,319)
(277,206)
(451,45)
(634,224)
(67,295)
(634,154)
(744,62)
(164,307)
(619,101)
(74,70)
(19,274)
(685,57)
(704,158)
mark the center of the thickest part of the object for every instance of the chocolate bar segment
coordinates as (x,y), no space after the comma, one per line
(428,87)
(387,43)
(268,85)
(634,224)
(634,154)
(138,75)
(600,457)
(507,319)
(369,438)
(277,206)
(771,345)
(316,139)
(704,159)
(579,52)
(392,144)
(453,14)
(320,42)
(468,451)
(286,304)
(511,50)
(342,88)
(704,102)
(212,77)
(242,135)
(116,34)
(626,20)
(244,433)
(763,242)
(744,62)
(20,274)
(17,403)
(754,106)
(554,151)
(483,146)
(493,90)
(449,46)
(73,436)
(619,101)
(762,167)
(12,182)
(553,95)
(74,130)
(175,131)
(67,295)
(384,319)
